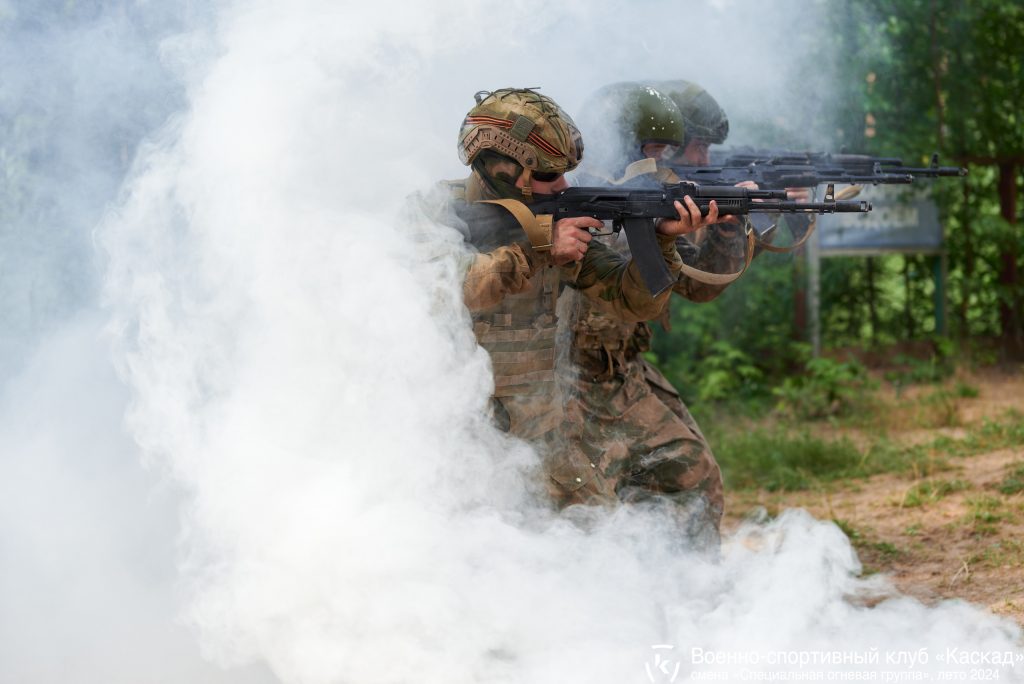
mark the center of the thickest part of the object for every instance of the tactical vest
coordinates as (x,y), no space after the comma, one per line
(519,333)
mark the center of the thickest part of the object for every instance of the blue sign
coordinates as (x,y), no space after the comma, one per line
(901,220)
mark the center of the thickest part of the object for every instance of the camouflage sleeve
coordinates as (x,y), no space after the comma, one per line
(477,239)
(614,284)
(493,275)
(721,251)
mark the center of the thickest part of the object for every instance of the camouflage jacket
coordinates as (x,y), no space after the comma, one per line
(618,340)
(600,342)
(511,291)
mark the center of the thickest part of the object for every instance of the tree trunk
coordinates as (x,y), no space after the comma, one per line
(936,54)
(872,307)
(967,284)
(801,333)
(908,301)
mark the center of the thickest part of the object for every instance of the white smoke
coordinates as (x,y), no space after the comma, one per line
(314,396)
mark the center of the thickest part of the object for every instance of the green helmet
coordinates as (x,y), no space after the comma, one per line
(525,126)
(640,115)
(702,116)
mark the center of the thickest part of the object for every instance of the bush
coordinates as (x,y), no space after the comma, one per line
(726,373)
(827,388)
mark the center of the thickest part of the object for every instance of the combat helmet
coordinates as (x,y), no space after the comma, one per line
(703,117)
(522,125)
(648,116)
(620,118)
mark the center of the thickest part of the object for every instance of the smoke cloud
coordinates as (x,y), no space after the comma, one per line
(322,498)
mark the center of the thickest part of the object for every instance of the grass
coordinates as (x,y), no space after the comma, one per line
(1005,552)
(787,456)
(887,551)
(777,459)
(998,434)
(849,530)
(1013,483)
(984,514)
(931,491)
(874,555)
(938,409)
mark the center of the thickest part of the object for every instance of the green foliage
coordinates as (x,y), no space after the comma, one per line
(826,388)
(964,390)
(904,78)
(911,370)
(950,80)
(727,372)
(747,332)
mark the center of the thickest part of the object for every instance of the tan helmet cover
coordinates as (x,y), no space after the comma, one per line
(524,125)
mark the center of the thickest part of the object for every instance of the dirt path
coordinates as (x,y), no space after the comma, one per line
(954,534)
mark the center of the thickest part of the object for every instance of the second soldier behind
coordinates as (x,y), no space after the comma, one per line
(623,409)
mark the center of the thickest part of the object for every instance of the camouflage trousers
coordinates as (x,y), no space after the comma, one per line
(625,417)
(569,473)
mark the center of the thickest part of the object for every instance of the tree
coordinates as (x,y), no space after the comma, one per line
(949,78)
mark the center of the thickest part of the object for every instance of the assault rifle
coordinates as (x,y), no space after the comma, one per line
(777,173)
(857,164)
(636,210)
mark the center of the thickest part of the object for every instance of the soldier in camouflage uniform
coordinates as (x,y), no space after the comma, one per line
(519,144)
(626,412)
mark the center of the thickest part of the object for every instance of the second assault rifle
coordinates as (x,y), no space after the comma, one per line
(777,173)
(636,210)
(855,164)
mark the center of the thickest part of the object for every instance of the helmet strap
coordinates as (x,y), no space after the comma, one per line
(527,186)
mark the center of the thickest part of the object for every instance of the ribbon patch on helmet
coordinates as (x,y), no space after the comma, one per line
(532,136)
(496,139)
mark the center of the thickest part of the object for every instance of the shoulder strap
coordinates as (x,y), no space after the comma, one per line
(723,278)
(538,228)
(637,168)
(768,247)
(844,194)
